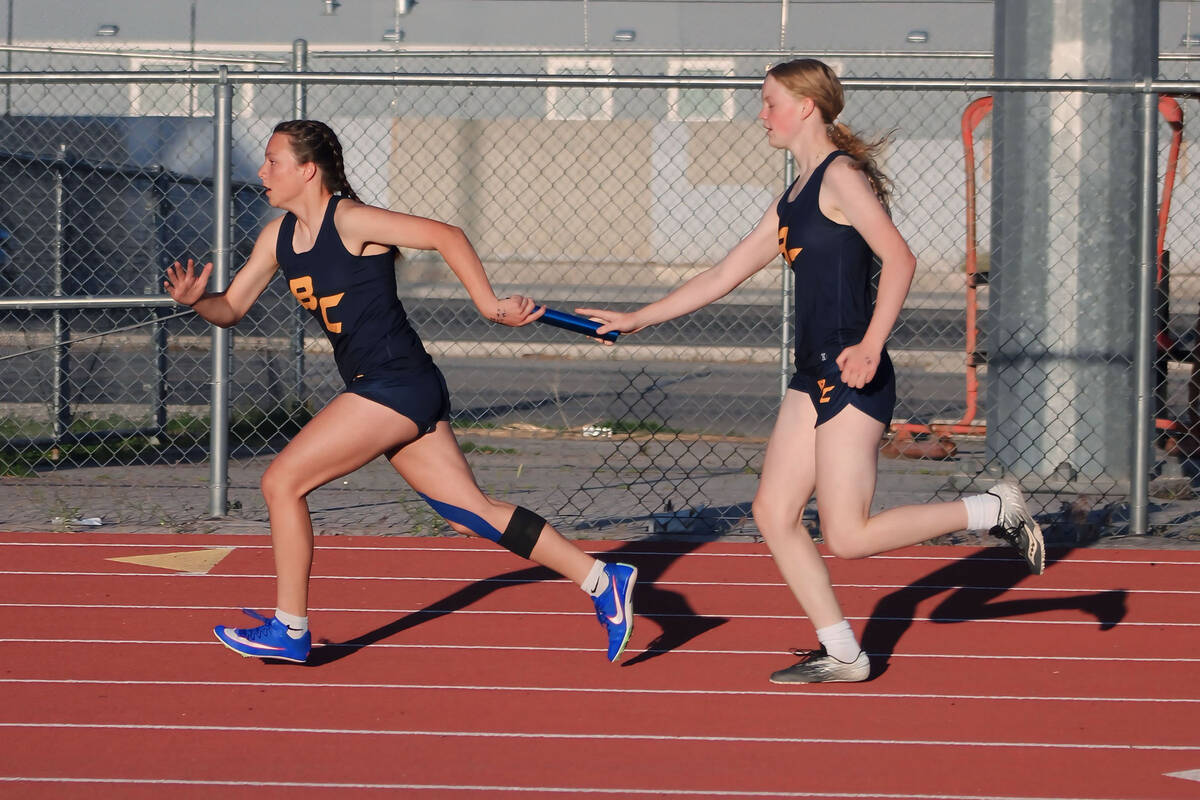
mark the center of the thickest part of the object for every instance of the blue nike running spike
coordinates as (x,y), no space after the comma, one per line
(614,608)
(269,640)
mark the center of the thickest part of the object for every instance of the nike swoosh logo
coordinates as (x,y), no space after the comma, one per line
(233,635)
(620,617)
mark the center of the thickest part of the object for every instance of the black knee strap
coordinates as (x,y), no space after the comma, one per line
(522,532)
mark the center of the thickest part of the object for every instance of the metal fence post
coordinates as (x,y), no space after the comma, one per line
(299,315)
(786,288)
(299,90)
(1143,357)
(61,375)
(222,338)
(158,332)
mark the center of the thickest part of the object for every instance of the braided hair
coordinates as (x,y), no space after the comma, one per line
(315,142)
(807,77)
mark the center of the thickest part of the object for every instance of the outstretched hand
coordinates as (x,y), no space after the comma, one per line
(515,311)
(184,285)
(620,321)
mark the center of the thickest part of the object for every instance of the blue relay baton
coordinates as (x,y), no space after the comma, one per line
(576,324)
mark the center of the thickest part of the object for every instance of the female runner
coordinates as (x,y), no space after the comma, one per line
(337,255)
(829,225)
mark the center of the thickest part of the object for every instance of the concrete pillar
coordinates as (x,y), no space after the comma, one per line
(1061,318)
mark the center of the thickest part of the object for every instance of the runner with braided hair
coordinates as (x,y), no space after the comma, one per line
(315,142)
(338,257)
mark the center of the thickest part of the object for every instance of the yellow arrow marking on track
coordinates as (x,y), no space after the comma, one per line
(196,562)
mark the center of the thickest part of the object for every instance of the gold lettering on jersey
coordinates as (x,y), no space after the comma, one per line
(326,304)
(302,288)
(825,388)
(788,255)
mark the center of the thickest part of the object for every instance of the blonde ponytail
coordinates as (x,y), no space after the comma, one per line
(865,155)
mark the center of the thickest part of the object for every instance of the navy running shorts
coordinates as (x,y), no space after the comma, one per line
(829,395)
(420,396)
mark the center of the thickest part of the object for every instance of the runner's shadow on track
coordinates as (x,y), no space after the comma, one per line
(671,610)
(974,583)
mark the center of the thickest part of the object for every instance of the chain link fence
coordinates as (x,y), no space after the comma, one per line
(594,179)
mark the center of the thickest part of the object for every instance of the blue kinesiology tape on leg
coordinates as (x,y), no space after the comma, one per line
(472,522)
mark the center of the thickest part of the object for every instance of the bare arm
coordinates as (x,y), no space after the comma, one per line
(846,193)
(361,224)
(226,308)
(750,255)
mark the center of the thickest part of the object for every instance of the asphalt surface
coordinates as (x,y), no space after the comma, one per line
(588,486)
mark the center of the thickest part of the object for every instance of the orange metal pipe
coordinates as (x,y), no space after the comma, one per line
(971,118)
(1169,108)
(1172,113)
(975,113)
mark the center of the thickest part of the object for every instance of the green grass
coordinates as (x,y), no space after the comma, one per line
(470,447)
(251,427)
(638,426)
(257,424)
(467,424)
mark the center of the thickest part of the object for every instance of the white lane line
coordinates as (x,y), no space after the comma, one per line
(620,737)
(434,610)
(454,787)
(646,614)
(556,579)
(923,587)
(679,651)
(632,553)
(439,687)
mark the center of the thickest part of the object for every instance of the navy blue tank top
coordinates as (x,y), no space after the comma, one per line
(354,299)
(833,267)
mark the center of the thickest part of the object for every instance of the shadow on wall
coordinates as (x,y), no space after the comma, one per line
(136,194)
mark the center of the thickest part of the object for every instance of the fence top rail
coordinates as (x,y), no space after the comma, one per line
(215,55)
(223,76)
(218,54)
(152,55)
(42,303)
(594,81)
(631,52)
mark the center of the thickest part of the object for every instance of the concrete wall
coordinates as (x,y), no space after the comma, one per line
(563,199)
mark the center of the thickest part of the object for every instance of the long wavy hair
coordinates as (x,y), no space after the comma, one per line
(808,77)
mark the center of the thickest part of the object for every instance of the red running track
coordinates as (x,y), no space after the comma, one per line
(450,668)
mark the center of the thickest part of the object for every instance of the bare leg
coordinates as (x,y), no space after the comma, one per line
(787,483)
(847,449)
(839,460)
(434,465)
(346,434)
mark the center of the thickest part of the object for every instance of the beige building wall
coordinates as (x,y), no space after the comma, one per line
(584,203)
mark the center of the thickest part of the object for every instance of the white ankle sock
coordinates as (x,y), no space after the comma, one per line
(297,626)
(839,641)
(983,511)
(595,584)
